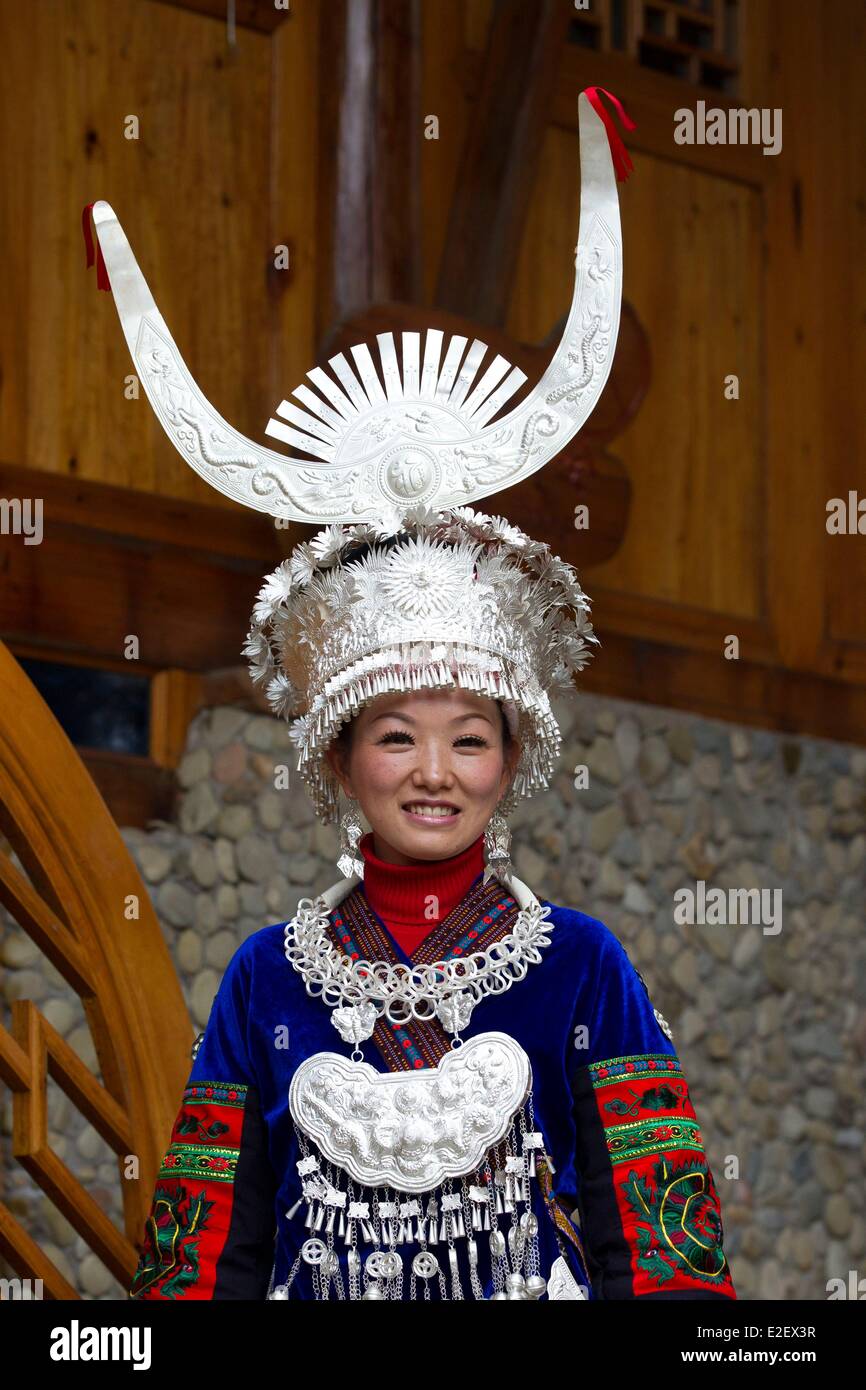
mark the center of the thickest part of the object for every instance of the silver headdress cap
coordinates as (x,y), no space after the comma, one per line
(462,599)
(443,595)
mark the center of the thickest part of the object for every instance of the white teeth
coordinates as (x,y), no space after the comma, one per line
(430,810)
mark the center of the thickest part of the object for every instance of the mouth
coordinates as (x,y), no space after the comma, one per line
(431,813)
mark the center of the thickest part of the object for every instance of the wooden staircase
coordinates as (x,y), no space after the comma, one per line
(83,903)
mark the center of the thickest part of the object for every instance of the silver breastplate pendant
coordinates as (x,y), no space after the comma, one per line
(442,1159)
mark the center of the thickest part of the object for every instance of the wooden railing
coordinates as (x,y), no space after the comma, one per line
(82,902)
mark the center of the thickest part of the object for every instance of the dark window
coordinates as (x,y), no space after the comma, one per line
(96,709)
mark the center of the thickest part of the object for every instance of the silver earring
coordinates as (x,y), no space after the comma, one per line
(350,861)
(497,845)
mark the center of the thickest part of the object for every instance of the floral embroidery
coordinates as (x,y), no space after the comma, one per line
(678,1220)
(170,1255)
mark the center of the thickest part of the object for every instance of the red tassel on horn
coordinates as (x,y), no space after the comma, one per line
(621,159)
(102,280)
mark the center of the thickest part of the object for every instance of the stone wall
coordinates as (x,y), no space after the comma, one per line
(769,1025)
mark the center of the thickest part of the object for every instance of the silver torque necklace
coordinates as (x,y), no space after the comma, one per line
(361,991)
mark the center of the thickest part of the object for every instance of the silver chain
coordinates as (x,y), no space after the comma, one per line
(401,992)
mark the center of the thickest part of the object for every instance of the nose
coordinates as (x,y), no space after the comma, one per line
(432,768)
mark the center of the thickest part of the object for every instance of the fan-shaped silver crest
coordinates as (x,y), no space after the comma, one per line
(382,434)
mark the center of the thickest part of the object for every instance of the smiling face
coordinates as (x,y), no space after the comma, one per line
(407,754)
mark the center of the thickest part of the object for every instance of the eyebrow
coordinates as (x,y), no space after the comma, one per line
(458,719)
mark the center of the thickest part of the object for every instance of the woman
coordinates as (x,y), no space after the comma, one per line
(427,1084)
(295,1172)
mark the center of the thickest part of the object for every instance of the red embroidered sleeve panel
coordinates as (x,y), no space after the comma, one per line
(650,1214)
(211,1228)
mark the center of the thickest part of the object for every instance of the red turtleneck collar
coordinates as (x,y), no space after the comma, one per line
(399,893)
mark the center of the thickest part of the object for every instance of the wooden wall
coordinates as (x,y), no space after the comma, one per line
(224,169)
(736,263)
(748,264)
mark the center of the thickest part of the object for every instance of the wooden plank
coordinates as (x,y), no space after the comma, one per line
(740,692)
(135,790)
(841,337)
(26,907)
(688,625)
(675,9)
(189,192)
(651,100)
(82,1211)
(497,172)
(369,121)
(26,1258)
(292,207)
(797,270)
(72,598)
(180,577)
(175,696)
(694,458)
(454,37)
(265,16)
(148,518)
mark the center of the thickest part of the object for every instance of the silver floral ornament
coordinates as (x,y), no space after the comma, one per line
(455,1012)
(355,1022)
(418,580)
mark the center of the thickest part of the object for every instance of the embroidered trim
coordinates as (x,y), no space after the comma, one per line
(197,1161)
(637,1066)
(219,1092)
(648,1136)
(559,1216)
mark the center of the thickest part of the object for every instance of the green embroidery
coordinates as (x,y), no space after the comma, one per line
(171,1242)
(645,1137)
(678,1222)
(199,1161)
(191,1124)
(656,1098)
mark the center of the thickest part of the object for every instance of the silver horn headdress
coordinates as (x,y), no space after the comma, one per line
(407,588)
(396,448)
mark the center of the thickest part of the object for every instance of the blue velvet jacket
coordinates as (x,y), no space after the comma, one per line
(628,1197)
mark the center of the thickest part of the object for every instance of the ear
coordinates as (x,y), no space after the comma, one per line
(512,757)
(334,756)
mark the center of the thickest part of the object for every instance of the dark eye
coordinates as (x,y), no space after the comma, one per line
(403,735)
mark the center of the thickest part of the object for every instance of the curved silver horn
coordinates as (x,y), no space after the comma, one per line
(381,441)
